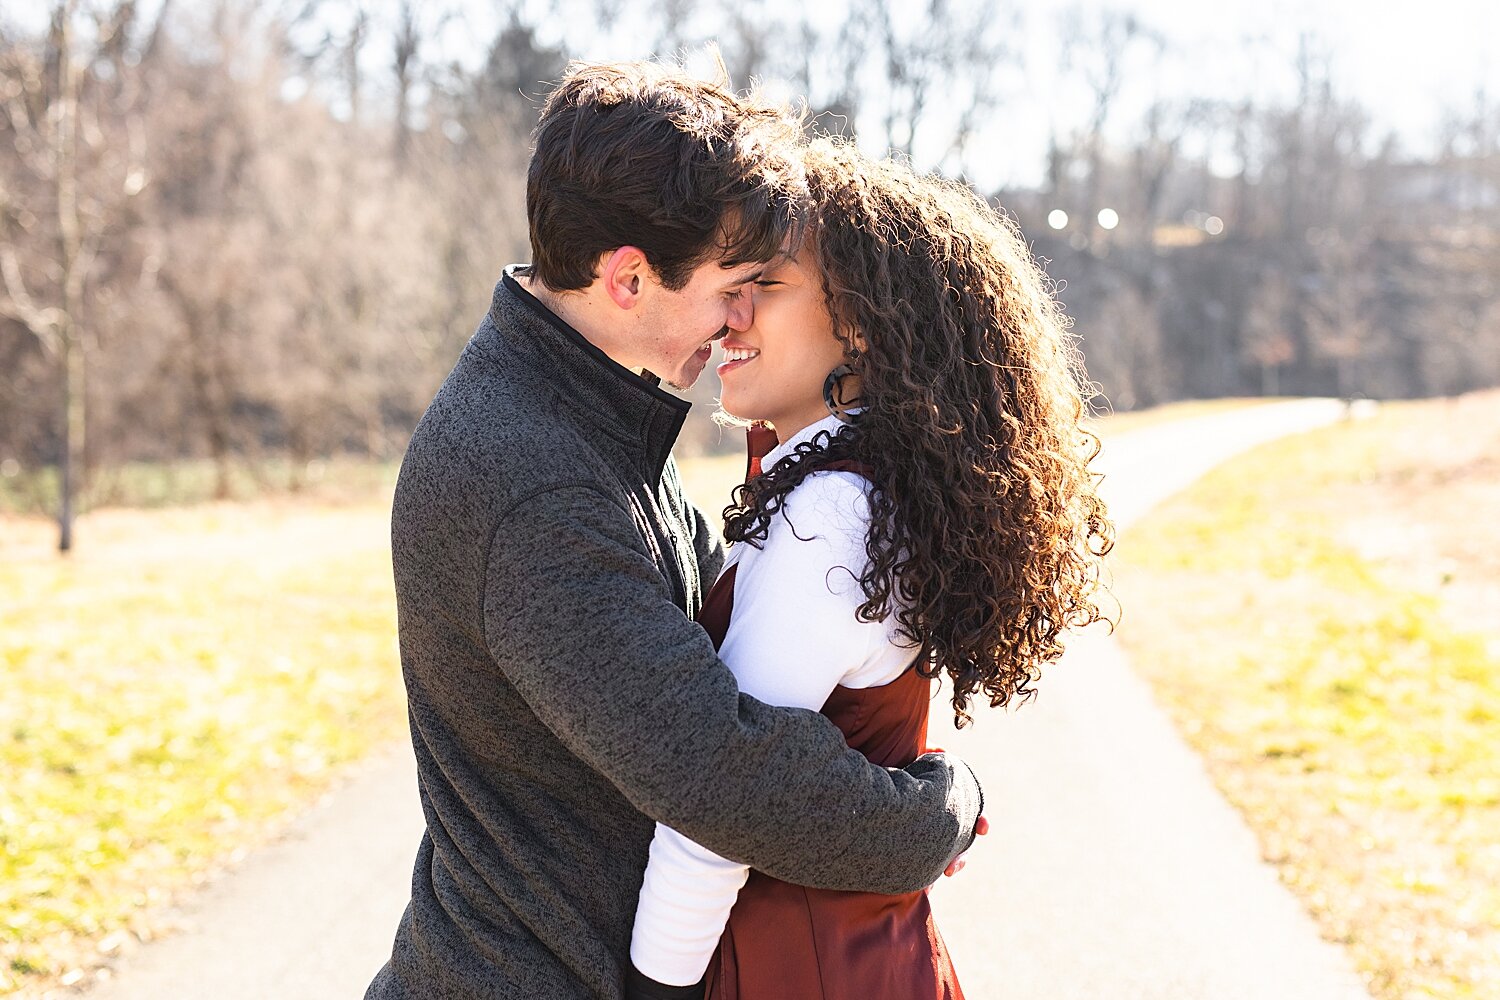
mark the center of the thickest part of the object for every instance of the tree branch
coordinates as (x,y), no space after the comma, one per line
(17,304)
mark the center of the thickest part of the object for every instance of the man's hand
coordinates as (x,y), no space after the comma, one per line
(981,828)
(957,864)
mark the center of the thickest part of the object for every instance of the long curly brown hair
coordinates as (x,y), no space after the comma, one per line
(987,532)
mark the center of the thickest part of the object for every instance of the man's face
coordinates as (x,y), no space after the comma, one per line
(677,329)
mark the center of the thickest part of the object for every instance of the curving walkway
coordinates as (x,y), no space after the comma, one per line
(1114,870)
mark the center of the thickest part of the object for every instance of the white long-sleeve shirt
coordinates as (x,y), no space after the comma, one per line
(793,637)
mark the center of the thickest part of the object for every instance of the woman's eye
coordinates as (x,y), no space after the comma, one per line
(766,284)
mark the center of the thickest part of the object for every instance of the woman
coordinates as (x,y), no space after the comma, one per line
(926,511)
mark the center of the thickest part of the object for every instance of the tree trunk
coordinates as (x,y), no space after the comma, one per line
(1268,380)
(71,465)
(69,245)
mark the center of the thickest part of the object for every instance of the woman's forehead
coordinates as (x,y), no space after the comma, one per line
(795,258)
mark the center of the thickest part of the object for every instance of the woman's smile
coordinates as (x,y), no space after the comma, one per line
(736,355)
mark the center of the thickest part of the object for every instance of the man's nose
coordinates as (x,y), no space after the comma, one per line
(742,311)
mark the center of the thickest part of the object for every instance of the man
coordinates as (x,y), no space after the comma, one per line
(547,567)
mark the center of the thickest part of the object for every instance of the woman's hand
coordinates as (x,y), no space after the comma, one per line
(957,864)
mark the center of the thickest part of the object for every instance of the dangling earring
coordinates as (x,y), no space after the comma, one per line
(833,396)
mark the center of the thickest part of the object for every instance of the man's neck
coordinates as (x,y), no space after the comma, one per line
(572,310)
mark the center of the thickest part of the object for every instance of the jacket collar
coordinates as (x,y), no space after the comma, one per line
(604,395)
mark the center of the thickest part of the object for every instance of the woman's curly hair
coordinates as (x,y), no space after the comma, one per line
(987,532)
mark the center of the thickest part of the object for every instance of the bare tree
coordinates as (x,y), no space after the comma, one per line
(1097,47)
(61,115)
(406,43)
(944,50)
(298,231)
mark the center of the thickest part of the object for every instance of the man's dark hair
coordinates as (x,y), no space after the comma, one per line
(641,154)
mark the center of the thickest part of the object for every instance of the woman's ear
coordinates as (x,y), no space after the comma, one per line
(623,273)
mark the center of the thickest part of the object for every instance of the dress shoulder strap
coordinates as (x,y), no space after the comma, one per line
(850,465)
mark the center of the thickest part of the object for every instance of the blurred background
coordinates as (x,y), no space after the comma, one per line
(243,241)
(256,234)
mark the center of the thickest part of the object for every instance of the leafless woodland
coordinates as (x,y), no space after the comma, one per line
(241,230)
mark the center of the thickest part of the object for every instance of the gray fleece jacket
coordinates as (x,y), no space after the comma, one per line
(561,698)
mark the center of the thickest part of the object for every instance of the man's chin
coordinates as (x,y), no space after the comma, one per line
(685,379)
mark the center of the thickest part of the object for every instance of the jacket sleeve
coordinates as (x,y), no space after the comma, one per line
(582,622)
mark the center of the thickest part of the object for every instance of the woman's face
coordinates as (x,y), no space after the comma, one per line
(774,370)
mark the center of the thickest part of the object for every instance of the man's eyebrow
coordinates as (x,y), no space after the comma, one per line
(748,277)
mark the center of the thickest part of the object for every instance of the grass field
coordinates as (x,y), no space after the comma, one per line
(173,692)
(1320,619)
(192,676)
(147,485)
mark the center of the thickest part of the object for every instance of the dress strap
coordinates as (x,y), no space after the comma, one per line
(759,440)
(852,465)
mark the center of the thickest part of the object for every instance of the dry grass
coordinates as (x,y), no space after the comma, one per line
(1319,616)
(174,692)
(1116,424)
(140,485)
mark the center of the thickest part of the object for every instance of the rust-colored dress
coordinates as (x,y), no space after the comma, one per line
(789,942)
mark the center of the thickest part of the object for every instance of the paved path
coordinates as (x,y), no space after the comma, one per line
(308,918)
(1114,870)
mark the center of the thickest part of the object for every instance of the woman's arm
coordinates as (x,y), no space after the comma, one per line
(792,638)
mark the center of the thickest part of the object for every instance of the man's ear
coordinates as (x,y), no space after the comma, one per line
(624,274)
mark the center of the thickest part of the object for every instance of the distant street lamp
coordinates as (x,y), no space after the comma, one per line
(1108,218)
(1057,218)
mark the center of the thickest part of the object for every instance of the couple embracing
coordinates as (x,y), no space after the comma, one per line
(653,770)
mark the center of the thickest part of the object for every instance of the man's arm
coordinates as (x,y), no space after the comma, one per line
(583,624)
